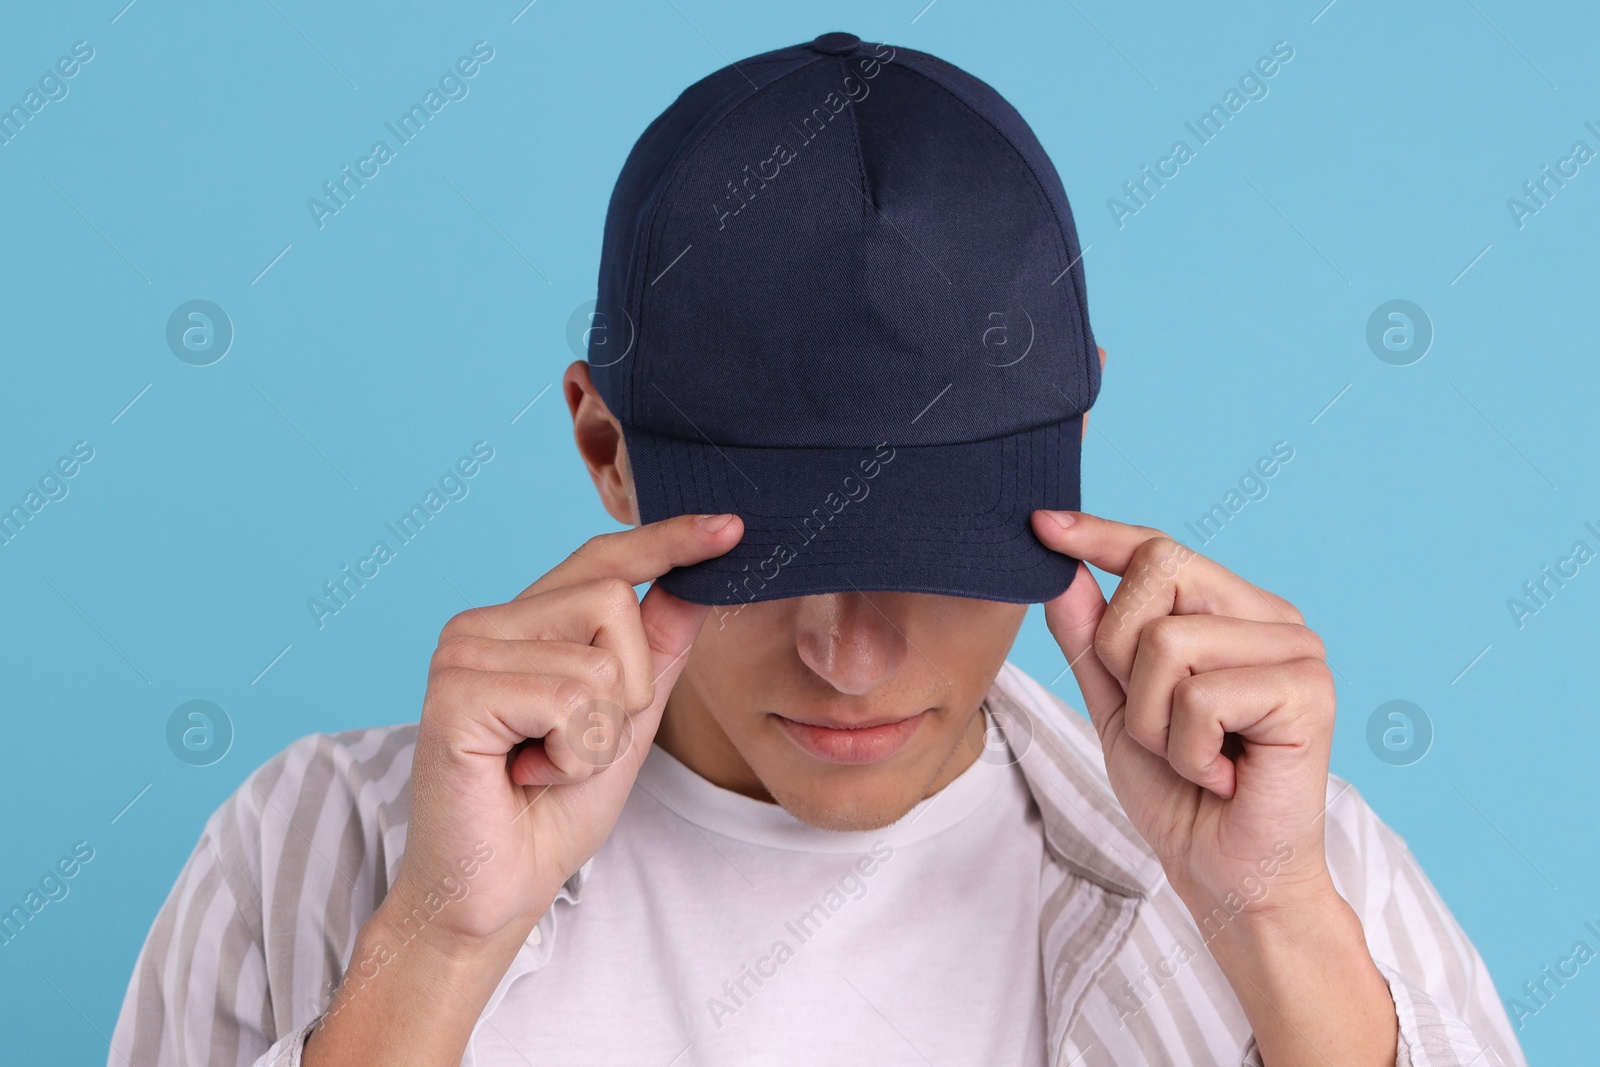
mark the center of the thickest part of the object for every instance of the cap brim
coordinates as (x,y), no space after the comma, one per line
(945,519)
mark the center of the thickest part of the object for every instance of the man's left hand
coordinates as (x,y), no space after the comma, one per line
(1214,706)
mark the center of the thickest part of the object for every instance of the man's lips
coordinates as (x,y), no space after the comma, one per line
(837,742)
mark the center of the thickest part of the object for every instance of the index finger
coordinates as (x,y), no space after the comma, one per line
(1106,543)
(1207,587)
(643,553)
(1160,577)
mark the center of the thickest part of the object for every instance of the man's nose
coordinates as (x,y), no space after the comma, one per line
(848,641)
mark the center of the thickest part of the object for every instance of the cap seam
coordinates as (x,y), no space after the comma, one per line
(717,485)
(1014,154)
(701,460)
(673,178)
(1039,187)
(855,133)
(856,447)
(638,251)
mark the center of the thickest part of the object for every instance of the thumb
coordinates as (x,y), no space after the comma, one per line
(670,627)
(1073,617)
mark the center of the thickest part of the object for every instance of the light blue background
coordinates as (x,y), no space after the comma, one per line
(427,314)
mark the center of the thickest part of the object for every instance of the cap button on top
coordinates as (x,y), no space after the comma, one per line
(836,44)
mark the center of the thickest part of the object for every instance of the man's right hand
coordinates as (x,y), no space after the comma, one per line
(537,717)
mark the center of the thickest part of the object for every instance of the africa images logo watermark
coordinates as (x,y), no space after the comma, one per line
(452,87)
(446,890)
(53,88)
(453,485)
(52,886)
(852,490)
(1252,86)
(1538,192)
(1140,991)
(52,486)
(740,190)
(1538,592)
(1538,993)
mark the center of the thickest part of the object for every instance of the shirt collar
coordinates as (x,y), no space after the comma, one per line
(1059,753)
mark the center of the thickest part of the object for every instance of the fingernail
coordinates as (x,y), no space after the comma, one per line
(713,523)
(1063,518)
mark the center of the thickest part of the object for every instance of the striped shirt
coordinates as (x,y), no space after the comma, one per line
(243,957)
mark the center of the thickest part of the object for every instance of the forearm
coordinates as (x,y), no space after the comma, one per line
(408,1000)
(1309,986)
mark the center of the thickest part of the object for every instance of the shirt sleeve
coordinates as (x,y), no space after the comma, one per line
(242,959)
(286,1052)
(199,994)
(1445,1002)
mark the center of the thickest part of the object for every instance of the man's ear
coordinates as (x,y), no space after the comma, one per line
(599,438)
(1102,370)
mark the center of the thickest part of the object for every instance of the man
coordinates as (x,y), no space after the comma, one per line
(794,806)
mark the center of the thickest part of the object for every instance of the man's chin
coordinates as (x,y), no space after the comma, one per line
(848,817)
(870,801)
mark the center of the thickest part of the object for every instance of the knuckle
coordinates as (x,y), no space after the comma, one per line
(1168,543)
(606,673)
(1105,639)
(1316,677)
(1157,549)
(616,593)
(443,653)
(450,676)
(1312,641)
(1165,638)
(446,687)
(1154,564)
(1192,698)
(1148,551)
(571,694)
(457,625)
(458,650)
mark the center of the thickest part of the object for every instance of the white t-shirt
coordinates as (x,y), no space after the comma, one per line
(718,929)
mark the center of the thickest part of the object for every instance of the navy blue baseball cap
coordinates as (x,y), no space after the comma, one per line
(841,296)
